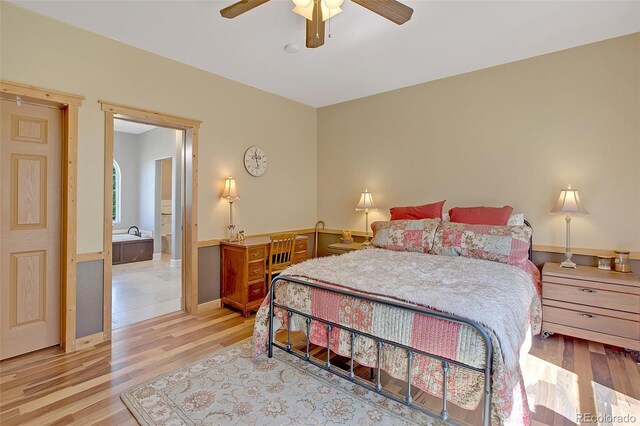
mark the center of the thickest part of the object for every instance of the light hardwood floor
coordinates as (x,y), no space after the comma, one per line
(144,290)
(566,375)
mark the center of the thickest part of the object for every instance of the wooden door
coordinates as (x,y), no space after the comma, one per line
(30,199)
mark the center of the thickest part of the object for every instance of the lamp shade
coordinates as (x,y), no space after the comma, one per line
(333,4)
(366,201)
(569,202)
(303,3)
(230,192)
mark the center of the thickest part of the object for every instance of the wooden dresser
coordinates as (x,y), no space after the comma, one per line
(243,268)
(602,306)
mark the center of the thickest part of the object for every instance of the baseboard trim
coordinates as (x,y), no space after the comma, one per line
(175,263)
(90,340)
(157,256)
(209,306)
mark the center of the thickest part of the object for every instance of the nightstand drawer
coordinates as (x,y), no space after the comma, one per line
(256,253)
(256,270)
(591,296)
(586,320)
(617,288)
(256,291)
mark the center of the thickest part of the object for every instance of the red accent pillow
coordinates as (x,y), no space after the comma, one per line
(498,216)
(426,211)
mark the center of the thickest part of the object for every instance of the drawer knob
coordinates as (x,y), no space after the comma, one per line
(587,290)
(583,315)
(255,291)
(255,271)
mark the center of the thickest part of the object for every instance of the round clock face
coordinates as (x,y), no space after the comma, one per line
(255,161)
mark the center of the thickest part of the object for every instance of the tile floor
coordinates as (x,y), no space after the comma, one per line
(144,290)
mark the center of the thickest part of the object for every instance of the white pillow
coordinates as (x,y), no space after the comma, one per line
(516,219)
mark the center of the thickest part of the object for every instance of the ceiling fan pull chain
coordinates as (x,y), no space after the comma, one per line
(317,18)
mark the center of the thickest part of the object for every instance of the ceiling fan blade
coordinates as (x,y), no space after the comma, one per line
(240,7)
(391,9)
(315,30)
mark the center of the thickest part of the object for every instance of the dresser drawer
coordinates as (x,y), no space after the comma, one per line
(299,257)
(256,270)
(593,322)
(256,253)
(256,291)
(591,296)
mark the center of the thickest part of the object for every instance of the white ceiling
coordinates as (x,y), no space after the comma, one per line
(366,55)
(131,127)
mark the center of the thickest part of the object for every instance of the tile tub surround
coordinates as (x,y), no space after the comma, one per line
(144,290)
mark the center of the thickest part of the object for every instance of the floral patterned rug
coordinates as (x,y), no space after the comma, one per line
(228,388)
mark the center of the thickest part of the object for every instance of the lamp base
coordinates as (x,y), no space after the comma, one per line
(232,236)
(568,263)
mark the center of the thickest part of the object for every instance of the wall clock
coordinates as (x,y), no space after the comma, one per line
(255,161)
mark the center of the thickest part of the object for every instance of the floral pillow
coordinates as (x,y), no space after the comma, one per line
(405,235)
(505,244)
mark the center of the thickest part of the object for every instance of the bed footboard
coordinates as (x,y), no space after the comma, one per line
(354,334)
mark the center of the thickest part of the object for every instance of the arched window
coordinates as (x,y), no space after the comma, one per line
(115,213)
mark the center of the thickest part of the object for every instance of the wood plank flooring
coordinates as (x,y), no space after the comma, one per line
(568,376)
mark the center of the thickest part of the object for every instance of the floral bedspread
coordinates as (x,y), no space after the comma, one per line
(451,340)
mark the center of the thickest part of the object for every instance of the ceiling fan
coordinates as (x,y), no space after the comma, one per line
(317,12)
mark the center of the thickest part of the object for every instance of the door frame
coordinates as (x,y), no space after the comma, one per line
(69,105)
(190,195)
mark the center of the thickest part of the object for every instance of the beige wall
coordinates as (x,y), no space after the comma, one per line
(513,134)
(43,52)
(166,179)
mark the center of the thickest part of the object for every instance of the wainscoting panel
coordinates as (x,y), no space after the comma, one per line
(89,302)
(208,274)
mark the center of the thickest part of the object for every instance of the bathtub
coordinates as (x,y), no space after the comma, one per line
(127,248)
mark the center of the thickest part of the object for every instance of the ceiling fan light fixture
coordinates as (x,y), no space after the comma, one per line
(307,12)
(303,3)
(333,4)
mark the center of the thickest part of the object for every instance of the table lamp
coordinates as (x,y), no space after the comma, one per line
(366,204)
(569,203)
(231,195)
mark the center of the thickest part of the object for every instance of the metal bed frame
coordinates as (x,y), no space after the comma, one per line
(486,371)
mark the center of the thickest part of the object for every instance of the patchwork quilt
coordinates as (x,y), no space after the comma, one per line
(504,299)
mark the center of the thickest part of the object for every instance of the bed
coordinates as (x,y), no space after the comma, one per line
(451,323)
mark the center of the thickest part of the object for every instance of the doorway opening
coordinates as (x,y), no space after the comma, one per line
(147,205)
(187,211)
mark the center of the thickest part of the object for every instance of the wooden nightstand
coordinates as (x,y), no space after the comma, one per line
(339,248)
(602,306)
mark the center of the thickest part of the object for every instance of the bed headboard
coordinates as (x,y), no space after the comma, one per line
(526,222)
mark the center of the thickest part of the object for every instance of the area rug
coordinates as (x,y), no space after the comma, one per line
(229,388)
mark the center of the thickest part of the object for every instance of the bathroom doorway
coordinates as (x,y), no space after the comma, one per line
(147,205)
